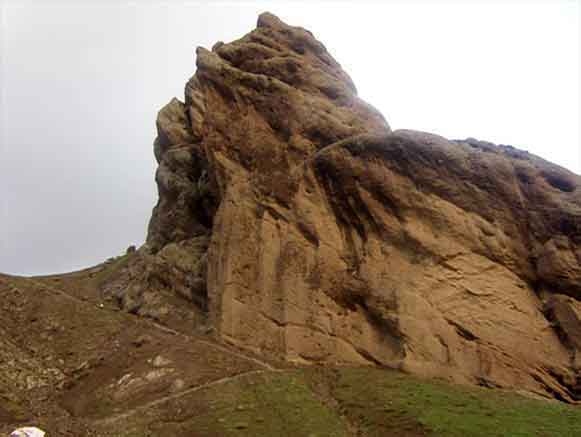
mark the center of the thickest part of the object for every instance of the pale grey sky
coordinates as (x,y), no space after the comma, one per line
(82,82)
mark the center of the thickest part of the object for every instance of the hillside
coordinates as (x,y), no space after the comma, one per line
(75,365)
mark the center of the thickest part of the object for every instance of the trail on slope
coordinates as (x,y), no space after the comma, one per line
(265,367)
(162,328)
(144,407)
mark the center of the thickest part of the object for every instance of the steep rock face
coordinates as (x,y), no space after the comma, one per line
(334,240)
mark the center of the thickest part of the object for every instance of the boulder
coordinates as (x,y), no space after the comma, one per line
(28,431)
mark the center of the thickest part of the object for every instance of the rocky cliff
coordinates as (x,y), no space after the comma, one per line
(293,222)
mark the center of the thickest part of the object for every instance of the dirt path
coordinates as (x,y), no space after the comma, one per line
(113,419)
(253,365)
(216,346)
(160,327)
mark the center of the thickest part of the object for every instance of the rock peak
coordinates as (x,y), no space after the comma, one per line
(268,19)
(299,225)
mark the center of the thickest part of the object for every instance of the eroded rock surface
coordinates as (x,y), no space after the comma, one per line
(333,240)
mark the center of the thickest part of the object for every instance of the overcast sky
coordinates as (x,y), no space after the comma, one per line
(82,83)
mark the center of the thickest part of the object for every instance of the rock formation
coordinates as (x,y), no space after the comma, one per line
(296,224)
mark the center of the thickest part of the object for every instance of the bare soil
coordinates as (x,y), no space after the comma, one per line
(70,359)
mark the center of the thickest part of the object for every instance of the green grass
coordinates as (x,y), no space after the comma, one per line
(380,400)
(274,404)
(263,405)
(349,402)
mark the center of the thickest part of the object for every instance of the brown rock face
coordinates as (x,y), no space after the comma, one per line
(293,217)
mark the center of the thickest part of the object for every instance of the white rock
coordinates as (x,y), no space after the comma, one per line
(160,361)
(177,385)
(157,374)
(124,379)
(28,431)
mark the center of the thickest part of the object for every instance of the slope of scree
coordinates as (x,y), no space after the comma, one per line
(293,222)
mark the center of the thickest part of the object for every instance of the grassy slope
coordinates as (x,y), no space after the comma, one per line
(347,402)
(378,400)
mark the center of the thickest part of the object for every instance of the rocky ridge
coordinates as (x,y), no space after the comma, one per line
(293,222)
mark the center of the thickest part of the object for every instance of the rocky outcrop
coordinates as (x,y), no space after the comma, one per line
(167,285)
(333,240)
